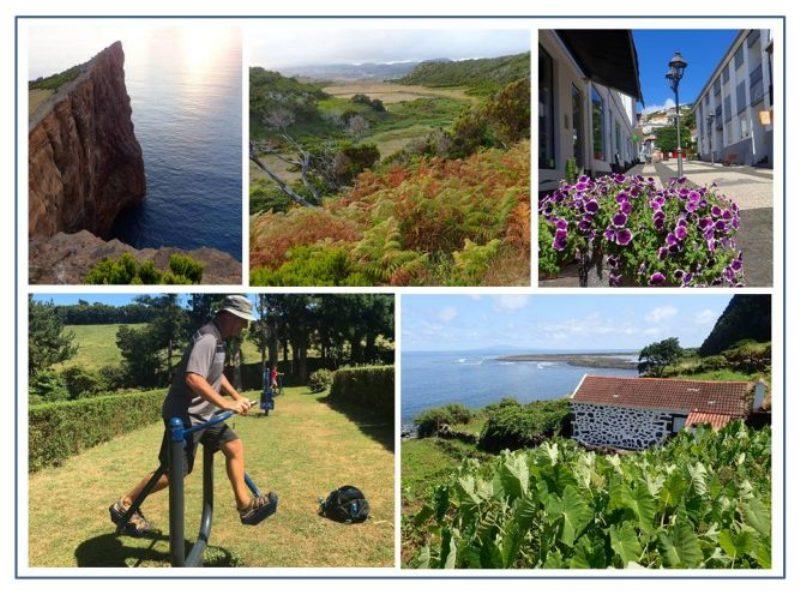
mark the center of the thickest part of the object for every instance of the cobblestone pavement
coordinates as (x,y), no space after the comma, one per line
(750,187)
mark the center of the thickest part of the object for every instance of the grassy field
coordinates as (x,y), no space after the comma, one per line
(35,98)
(303,450)
(412,111)
(97,346)
(393,92)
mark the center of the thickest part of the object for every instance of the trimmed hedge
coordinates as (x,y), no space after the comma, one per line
(57,430)
(371,387)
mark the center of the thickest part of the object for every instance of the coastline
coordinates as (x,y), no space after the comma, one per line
(597,360)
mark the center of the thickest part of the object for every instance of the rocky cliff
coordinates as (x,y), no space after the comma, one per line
(84,162)
(66,258)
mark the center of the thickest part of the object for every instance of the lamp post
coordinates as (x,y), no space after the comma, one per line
(674,76)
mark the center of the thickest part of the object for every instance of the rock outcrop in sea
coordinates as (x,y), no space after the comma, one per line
(85,167)
(84,162)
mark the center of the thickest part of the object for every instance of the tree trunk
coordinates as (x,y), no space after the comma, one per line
(280,183)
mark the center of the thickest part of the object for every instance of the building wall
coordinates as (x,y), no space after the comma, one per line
(743,79)
(620,112)
(627,428)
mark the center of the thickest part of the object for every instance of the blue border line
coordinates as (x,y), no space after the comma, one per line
(531,288)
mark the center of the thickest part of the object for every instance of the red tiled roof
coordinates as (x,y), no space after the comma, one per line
(716,420)
(683,395)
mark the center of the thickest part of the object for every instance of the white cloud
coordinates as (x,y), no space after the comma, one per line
(476,297)
(447,314)
(510,302)
(704,317)
(668,103)
(661,314)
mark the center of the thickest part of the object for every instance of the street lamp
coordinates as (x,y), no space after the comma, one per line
(674,75)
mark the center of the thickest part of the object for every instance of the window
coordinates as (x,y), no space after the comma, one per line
(678,423)
(741,100)
(577,126)
(726,75)
(547,145)
(756,85)
(617,142)
(753,38)
(598,125)
(717,87)
(727,105)
(738,58)
(708,99)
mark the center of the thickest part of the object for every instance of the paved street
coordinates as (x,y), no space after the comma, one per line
(750,187)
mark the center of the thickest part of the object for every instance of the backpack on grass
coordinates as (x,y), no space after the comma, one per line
(345,505)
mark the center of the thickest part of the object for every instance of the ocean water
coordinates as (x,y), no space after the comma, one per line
(185,84)
(475,379)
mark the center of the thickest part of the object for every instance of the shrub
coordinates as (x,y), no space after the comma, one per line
(516,426)
(370,387)
(81,382)
(57,430)
(266,197)
(113,377)
(125,269)
(48,386)
(712,363)
(320,380)
(185,266)
(312,265)
(430,421)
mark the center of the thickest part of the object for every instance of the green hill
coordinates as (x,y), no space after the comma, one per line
(482,75)
(747,317)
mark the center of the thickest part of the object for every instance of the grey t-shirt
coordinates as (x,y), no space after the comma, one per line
(205,356)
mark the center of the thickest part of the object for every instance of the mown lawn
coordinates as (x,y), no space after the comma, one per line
(303,450)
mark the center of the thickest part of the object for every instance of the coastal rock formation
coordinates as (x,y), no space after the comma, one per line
(67,258)
(84,162)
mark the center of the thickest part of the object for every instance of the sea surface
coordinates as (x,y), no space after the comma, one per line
(185,84)
(475,379)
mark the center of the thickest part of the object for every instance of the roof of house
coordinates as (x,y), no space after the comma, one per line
(680,395)
(716,420)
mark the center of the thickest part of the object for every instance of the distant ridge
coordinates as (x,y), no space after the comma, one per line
(477,72)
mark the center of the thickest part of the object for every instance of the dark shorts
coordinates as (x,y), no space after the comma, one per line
(212,437)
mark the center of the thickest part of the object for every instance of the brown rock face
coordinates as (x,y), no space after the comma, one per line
(84,162)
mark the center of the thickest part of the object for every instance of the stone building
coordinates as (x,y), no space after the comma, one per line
(635,413)
(588,91)
(734,109)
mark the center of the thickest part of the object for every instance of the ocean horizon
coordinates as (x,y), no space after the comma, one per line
(474,378)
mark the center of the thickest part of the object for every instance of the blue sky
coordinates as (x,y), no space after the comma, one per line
(701,48)
(112,299)
(556,322)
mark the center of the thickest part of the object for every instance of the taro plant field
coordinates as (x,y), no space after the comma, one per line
(700,501)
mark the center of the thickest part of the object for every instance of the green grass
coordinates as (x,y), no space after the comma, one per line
(53,82)
(724,375)
(97,346)
(303,450)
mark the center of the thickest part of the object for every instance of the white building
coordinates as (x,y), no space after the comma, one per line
(734,109)
(588,88)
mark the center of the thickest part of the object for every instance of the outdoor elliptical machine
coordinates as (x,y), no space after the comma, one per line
(178,434)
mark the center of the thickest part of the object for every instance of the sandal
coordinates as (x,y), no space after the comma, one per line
(260,508)
(137,525)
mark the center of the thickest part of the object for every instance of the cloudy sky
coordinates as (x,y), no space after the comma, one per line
(544,322)
(274,46)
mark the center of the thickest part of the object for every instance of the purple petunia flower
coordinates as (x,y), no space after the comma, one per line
(608,234)
(663,252)
(591,206)
(624,237)
(716,211)
(694,196)
(736,265)
(560,241)
(680,233)
(657,278)
(614,280)
(619,219)
(626,207)
(672,240)
(561,224)
(622,197)
(619,178)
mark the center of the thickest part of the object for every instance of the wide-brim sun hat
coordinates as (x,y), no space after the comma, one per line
(238,306)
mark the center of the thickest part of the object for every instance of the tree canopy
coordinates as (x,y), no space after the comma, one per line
(654,357)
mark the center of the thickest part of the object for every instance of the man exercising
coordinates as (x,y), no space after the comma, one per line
(194,396)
